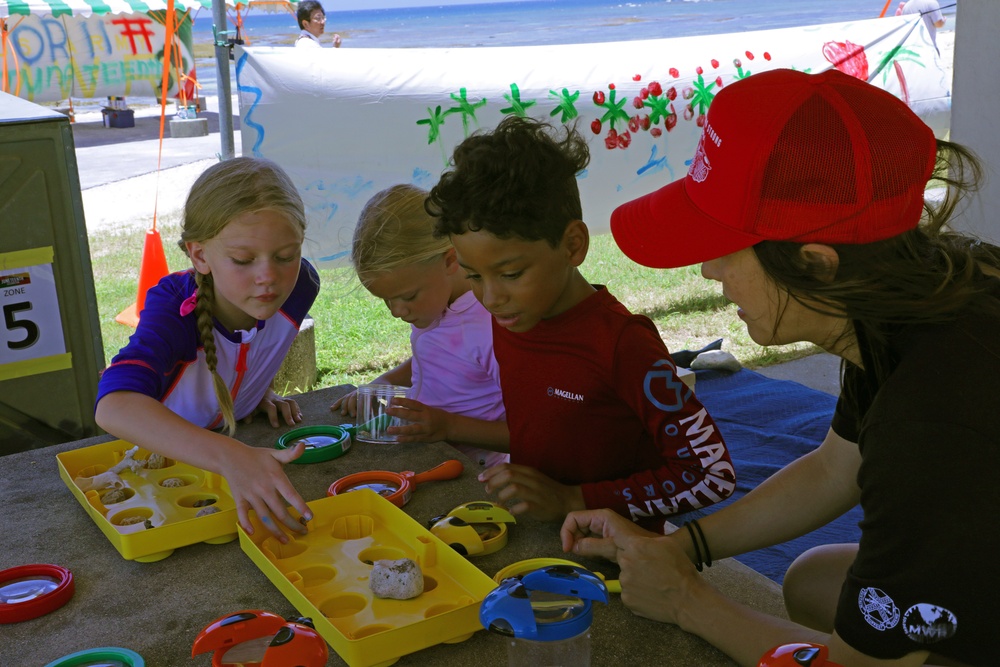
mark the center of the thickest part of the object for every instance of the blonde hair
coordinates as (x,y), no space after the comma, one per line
(394,230)
(222,193)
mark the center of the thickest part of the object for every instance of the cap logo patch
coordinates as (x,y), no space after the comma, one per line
(700,165)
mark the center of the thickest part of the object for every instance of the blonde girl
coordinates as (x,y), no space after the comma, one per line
(211,338)
(455,384)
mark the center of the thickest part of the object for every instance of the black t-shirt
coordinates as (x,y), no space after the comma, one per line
(925,577)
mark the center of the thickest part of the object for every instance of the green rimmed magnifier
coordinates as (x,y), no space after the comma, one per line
(323,443)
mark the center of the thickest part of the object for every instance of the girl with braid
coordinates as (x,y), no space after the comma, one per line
(211,339)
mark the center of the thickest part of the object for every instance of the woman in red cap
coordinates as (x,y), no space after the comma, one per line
(810,210)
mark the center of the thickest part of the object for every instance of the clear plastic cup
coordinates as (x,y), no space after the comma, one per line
(572,652)
(372,420)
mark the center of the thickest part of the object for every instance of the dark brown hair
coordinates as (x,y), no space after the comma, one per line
(518,180)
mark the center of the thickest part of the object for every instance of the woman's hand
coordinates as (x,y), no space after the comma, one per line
(273,405)
(656,574)
(531,492)
(258,482)
(346,404)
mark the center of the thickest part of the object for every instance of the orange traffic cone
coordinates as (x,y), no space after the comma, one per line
(151,270)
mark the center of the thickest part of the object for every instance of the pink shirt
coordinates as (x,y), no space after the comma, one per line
(454,368)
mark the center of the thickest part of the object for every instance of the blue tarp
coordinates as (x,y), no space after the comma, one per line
(767,424)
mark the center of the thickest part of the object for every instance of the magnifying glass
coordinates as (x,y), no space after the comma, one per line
(395,487)
(532,564)
(30,591)
(322,443)
(107,656)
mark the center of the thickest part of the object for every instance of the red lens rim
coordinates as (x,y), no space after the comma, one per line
(29,609)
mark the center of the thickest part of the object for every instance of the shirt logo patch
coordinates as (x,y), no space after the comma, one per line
(565,395)
(878,608)
(928,623)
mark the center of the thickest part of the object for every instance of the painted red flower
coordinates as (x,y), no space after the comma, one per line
(655,88)
(599,97)
(595,126)
(848,57)
(674,73)
(611,141)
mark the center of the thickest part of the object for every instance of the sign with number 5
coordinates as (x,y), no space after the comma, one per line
(31,328)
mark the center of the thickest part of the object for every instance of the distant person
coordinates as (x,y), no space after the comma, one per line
(211,339)
(455,383)
(597,414)
(811,214)
(931,12)
(312,21)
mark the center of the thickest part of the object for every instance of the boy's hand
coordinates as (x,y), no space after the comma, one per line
(347,404)
(427,424)
(258,482)
(272,405)
(536,495)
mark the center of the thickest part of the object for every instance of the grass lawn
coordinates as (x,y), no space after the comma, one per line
(356,338)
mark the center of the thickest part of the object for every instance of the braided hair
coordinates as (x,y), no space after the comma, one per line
(224,192)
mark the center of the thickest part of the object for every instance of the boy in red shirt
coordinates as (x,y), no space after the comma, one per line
(597,414)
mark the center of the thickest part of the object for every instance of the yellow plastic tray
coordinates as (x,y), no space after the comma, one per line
(324,574)
(171,510)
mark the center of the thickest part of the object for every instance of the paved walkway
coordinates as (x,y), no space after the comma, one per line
(124,175)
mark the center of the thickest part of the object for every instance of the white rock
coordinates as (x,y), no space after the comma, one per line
(397,579)
(717,360)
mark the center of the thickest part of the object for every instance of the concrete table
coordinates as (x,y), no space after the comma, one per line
(157,609)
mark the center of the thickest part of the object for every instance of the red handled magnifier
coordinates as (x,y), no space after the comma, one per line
(30,591)
(395,487)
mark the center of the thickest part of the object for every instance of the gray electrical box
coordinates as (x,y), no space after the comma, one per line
(51,352)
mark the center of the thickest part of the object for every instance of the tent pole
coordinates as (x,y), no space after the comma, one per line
(222,77)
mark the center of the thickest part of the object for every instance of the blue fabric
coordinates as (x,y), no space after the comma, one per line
(767,424)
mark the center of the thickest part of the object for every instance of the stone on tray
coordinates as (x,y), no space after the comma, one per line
(397,579)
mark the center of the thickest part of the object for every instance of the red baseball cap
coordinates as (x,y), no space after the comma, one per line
(787,156)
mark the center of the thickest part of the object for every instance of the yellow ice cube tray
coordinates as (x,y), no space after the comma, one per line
(170,510)
(324,574)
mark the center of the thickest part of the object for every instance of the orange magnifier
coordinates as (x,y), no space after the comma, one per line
(395,487)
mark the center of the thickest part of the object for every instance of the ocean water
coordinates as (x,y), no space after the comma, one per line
(540,22)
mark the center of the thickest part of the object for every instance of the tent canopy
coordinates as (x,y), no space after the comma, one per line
(86,8)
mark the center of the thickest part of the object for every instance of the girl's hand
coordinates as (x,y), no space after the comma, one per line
(258,482)
(272,405)
(427,424)
(347,404)
(531,492)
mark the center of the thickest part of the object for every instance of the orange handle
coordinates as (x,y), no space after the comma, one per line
(450,469)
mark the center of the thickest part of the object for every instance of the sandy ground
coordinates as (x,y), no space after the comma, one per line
(124,176)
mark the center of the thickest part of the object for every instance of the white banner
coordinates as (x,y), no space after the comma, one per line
(347,123)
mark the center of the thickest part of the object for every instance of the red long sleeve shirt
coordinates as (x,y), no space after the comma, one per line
(592,398)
